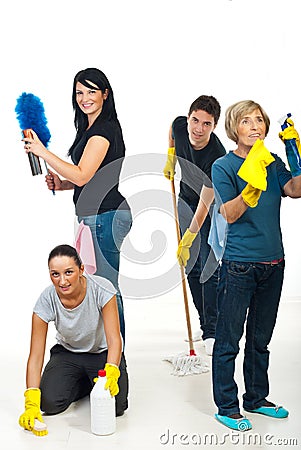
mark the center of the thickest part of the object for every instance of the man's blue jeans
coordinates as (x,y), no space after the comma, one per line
(109,230)
(202,262)
(247,292)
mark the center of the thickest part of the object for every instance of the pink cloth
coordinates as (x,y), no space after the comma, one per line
(84,245)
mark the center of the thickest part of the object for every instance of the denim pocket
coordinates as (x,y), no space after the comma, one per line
(239,268)
(121,228)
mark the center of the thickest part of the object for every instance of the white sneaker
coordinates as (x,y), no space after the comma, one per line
(209,343)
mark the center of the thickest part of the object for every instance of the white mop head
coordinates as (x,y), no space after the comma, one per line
(184,364)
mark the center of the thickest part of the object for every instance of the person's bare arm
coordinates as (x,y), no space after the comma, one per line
(37,352)
(93,155)
(206,198)
(112,331)
(293,187)
(233,209)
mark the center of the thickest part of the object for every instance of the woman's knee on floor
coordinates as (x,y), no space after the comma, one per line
(51,405)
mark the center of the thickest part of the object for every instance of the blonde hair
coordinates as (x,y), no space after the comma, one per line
(238,110)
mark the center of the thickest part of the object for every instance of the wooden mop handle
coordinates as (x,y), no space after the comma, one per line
(174,200)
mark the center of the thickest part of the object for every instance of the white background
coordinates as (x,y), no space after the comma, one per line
(159,56)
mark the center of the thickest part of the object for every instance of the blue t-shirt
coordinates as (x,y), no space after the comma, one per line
(256,235)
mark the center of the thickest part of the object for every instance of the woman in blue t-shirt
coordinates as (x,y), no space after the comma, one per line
(249,183)
(97,154)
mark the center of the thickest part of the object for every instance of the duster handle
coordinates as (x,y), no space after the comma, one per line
(34,160)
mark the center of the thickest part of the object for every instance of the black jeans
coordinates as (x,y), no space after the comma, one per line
(68,377)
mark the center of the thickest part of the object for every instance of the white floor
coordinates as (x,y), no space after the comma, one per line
(165,411)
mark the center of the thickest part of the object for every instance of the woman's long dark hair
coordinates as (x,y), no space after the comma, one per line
(98,78)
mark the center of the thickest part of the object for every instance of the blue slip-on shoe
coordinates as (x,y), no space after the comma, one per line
(278,412)
(242,424)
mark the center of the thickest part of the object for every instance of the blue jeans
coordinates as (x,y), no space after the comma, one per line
(202,264)
(247,292)
(109,230)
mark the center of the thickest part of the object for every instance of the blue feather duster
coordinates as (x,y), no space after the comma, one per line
(31,114)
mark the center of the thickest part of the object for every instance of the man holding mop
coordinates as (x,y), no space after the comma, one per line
(194,145)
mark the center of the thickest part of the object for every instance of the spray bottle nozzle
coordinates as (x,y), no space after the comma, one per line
(283,120)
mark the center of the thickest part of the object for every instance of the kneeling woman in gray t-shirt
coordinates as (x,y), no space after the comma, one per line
(84,311)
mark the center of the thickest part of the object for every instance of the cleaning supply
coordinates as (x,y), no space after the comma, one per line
(31,419)
(34,160)
(253,169)
(39,428)
(251,195)
(183,252)
(184,364)
(102,405)
(291,139)
(169,169)
(31,115)
(113,374)
(83,242)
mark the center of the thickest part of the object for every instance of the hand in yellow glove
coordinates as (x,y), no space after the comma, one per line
(183,253)
(292,148)
(253,169)
(32,411)
(290,133)
(169,169)
(112,373)
(251,195)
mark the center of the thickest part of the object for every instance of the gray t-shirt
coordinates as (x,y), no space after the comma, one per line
(80,329)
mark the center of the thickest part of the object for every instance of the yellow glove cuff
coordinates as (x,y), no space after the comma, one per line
(112,370)
(251,195)
(290,133)
(188,238)
(32,397)
(183,253)
(169,169)
(27,420)
(113,373)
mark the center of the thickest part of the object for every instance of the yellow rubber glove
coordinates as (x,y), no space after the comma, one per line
(169,169)
(32,411)
(290,133)
(251,195)
(253,169)
(183,253)
(113,373)
(292,148)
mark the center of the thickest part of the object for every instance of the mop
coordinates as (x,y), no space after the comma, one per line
(184,364)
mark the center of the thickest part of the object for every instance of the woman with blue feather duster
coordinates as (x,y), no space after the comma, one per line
(97,154)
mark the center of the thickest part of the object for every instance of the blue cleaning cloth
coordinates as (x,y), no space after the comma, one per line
(218,233)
